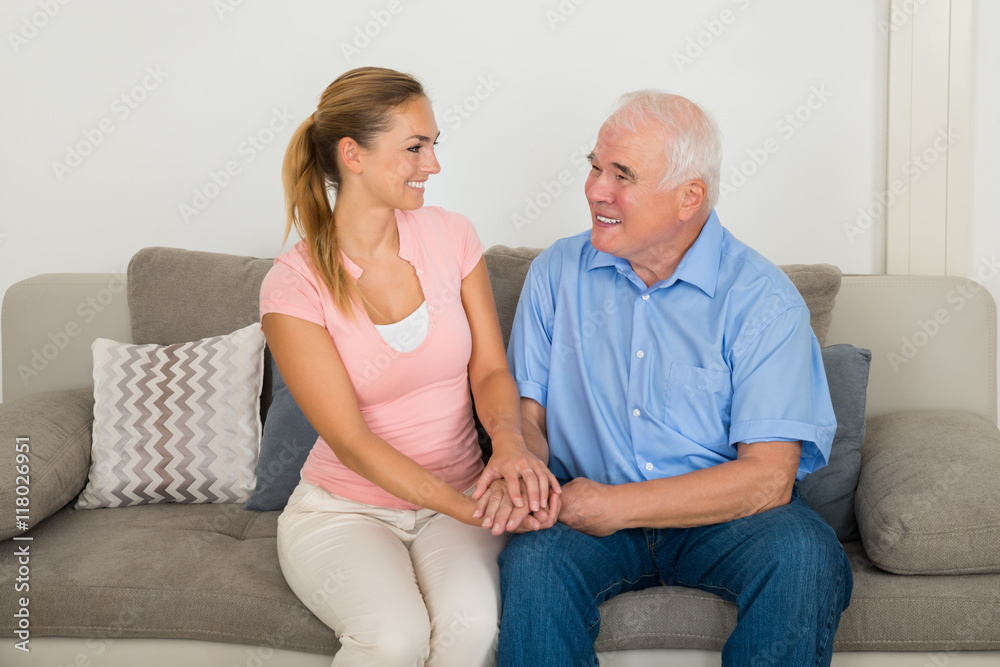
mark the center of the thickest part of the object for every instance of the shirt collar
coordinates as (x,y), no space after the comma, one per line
(699,266)
(405,246)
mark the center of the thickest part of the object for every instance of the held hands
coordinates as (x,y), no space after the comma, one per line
(582,504)
(529,482)
(587,506)
(500,514)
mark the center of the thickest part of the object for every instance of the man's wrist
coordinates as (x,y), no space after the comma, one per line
(621,504)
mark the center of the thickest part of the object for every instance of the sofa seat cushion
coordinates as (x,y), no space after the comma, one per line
(887,613)
(211,572)
(918,613)
(928,499)
(205,572)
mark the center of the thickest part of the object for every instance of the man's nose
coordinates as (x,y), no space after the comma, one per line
(597,189)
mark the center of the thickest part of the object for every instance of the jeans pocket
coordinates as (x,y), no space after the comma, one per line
(698,401)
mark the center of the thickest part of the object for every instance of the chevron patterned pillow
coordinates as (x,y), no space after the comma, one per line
(175,423)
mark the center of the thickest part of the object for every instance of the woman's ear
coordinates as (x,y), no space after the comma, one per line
(350,154)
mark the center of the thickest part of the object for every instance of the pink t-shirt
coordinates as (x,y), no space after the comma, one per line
(416,401)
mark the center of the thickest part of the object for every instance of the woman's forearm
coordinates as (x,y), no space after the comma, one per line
(498,407)
(374,459)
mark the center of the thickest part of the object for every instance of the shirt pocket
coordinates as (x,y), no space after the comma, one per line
(698,402)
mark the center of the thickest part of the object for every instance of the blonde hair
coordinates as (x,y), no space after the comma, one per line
(359,104)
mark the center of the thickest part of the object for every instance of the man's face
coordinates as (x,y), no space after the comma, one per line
(630,216)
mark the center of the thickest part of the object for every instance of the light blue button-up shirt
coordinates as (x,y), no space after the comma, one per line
(641,382)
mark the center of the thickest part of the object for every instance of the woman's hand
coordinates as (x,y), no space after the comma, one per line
(500,515)
(517,466)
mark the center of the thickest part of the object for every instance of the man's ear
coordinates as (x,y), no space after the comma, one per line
(693,195)
(350,154)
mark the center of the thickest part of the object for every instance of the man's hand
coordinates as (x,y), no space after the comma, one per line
(499,513)
(587,507)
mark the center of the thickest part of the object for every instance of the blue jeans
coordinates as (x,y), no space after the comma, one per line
(784,569)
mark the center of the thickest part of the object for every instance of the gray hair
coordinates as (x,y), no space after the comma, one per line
(694,145)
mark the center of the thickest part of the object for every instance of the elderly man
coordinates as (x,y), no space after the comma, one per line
(670,377)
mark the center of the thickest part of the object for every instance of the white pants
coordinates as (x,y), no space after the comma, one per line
(399,587)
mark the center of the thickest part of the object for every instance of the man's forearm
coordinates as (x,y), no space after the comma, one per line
(712,495)
(533,429)
(762,477)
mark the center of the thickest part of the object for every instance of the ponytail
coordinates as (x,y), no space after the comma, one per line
(308,210)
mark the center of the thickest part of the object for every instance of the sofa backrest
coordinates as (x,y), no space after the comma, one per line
(817,283)
(933,339)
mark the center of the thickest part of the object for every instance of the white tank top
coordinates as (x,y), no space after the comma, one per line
(407,334)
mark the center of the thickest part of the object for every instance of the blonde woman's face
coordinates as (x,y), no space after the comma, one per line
(397,167)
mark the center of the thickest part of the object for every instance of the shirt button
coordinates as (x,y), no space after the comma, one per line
(426,290)
(649,466)
(640,354)
(645,297)
(419,272)
(636,413)
(430,308)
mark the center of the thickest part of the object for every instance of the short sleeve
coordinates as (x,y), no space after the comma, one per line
(468,246)
(530,347)
(288,291)
(780,390)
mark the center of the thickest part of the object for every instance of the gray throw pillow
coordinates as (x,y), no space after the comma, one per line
(285,444)
(830,490)
(928,497)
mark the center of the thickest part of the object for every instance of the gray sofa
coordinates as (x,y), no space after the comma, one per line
(199,584)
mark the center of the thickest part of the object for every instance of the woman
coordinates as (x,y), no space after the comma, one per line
(380,320)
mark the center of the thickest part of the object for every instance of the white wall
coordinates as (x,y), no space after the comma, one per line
(223,73)
(984,233)
(984,252)
(228,70)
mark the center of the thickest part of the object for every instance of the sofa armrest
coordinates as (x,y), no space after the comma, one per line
(933,341)
(49,322)
(56,426)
